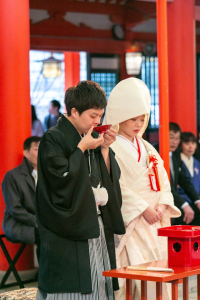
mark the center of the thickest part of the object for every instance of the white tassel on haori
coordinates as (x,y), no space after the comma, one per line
(101,195)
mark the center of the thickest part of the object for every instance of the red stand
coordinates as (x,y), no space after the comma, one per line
(183,245)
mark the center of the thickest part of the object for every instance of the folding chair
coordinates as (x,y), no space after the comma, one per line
(12,266)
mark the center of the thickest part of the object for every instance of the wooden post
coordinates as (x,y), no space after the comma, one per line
(15,112)
(161,7)
(128,289)
(143,290)
(72,69)
(182,64)
(185,289)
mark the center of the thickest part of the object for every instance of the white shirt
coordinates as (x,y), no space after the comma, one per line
(35,176)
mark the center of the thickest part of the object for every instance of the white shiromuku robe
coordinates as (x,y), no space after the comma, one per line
(141,243)
(130,98)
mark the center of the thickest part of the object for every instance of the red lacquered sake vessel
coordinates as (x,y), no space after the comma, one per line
(183,245)
(102,129)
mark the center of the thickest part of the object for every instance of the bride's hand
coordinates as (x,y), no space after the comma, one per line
(160,208)
(151,215)
(109,138)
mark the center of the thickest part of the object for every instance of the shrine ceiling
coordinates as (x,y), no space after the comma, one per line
(87,25)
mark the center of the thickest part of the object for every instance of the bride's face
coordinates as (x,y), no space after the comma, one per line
(132,126)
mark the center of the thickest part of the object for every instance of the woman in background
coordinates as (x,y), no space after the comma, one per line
(147,202)
(188,147)
(37,128)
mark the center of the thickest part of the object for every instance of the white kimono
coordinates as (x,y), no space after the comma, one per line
(141,243)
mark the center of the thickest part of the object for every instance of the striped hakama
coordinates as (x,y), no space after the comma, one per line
(102,288)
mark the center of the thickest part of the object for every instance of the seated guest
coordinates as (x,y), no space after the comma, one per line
(197,151)
(37,128)
(188,146)
(54,114)
(179,178)
(18,188)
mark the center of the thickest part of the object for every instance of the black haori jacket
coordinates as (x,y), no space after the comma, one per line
(66,210)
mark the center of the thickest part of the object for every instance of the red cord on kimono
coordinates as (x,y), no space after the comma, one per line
(154,178)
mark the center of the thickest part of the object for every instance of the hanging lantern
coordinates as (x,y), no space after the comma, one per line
(51,67)
(133,62)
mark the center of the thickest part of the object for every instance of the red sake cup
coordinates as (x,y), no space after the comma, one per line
(102,129)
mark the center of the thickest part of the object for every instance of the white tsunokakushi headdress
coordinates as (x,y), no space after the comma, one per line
(130,98)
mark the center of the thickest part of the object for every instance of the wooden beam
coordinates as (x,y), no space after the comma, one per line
(145,10)
(65,29)
(77,44)
(78,6)
(143,36)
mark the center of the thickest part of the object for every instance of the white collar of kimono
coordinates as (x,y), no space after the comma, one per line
(131,147)
(129,98)
(189,162)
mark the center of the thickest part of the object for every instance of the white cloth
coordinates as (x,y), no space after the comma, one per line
(35,176)
(100,195)
(135,97)
(141,243)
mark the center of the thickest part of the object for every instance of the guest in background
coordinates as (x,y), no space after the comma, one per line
(197,151)
(179,178)
(18,188)
(191,165)
(37,128)
(54,114)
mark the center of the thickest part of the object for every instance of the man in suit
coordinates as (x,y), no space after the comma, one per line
(190,212)
(54,114)
(19,187)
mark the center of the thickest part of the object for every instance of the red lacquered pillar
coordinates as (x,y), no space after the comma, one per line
(182,64)
(163,82)
(15,112)
(72,69)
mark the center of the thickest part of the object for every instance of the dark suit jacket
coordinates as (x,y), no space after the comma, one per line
(180,178)
(18,189)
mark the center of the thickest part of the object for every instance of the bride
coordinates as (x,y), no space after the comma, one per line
(146,194)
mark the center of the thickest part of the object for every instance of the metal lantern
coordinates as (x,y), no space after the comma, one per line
(51,67)
(133,62)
